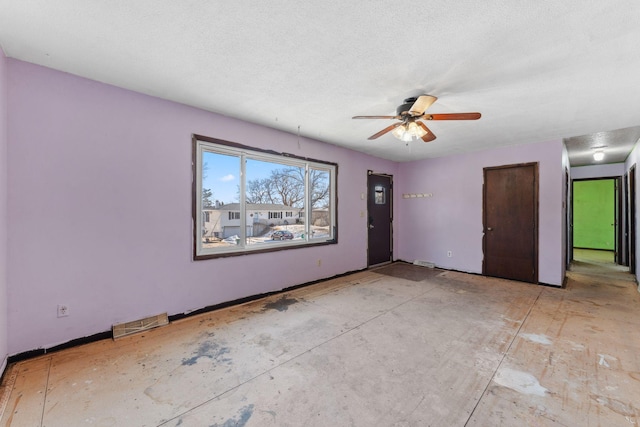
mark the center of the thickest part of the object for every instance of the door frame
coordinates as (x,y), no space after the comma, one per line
(568,235)
(617,206)
(390,198)
(625,211)
(619,221)
(632,219)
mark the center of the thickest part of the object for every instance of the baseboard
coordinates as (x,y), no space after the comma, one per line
(109,334)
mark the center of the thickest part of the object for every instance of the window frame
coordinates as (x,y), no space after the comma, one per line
(202,143)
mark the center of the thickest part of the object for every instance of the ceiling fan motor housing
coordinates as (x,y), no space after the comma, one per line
(408,103)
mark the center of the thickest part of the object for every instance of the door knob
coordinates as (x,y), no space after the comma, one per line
(489,229)
(370,225)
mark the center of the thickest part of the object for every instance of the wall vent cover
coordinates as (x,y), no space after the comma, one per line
(424,263)
(128,328)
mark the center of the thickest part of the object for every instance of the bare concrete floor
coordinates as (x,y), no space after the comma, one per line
(397,346)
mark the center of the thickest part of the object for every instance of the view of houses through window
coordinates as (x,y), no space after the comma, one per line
(251,200)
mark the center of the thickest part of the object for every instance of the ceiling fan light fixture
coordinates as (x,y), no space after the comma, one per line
(408,132)
(402,133)
(415,131)
(598,155)
(407,137)
(399,132)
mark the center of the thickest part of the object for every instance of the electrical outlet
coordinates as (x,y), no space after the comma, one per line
(449,254)
(63,310)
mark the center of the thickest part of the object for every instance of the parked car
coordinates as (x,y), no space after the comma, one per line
(282,235)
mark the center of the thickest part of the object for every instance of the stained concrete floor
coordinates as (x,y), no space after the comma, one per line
(397,346)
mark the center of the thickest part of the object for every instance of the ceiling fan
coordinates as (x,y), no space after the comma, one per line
(409,114)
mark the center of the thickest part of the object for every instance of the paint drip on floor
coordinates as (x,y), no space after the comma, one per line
(210,350)
(604,360)
(540,339)
(519,381)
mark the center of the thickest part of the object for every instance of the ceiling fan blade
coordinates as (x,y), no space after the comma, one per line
(422,103)
(385,130)
(376,117)
(452,116)
(429,136)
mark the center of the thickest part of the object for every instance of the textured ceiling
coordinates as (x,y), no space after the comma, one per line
(537,71)
(616,145)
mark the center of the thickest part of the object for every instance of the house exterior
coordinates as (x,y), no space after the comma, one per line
(223,220)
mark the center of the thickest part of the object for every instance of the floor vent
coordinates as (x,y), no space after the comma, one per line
(128,328)
(424,263)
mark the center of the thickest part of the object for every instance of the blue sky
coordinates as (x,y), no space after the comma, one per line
(223,174)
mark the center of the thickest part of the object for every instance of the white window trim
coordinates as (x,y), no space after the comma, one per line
(201,144)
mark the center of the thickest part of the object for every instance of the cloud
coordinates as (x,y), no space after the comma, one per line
(226,178)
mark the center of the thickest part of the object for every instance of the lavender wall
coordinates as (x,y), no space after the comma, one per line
(451,220)
(100,209)
(567,240)
(3,211)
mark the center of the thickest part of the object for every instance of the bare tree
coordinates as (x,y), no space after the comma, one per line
(259,191)
(318,182)
(286,187)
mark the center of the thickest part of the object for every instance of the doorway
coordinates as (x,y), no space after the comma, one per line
(379,214)
(597,219)
(510,221)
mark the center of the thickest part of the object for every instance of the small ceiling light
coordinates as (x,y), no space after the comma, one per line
(598,155)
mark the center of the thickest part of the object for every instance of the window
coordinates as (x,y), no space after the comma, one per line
(255,188)
(380,198)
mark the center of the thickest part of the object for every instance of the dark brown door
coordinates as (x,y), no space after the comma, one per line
(379,209)
(511,222)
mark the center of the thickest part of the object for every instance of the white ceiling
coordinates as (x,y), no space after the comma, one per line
(536,70)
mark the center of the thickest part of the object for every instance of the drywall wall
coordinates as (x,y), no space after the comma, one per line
(100,209)
(594,214)
(451,220)
(3,210)
(567,243)
(598,171)
(633,161)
